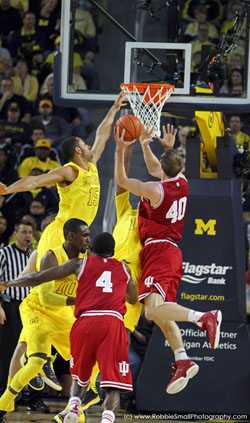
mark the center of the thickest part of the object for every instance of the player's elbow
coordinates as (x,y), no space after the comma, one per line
(132,295)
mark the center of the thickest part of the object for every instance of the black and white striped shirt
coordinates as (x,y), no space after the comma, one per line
(12,262)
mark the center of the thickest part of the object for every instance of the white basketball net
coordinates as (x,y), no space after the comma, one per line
(149,112)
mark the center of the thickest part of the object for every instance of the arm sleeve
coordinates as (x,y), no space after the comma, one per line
(48,297)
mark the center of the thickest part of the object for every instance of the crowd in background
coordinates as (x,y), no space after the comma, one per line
(32,126)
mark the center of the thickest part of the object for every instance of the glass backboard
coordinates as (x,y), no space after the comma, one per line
(155,41)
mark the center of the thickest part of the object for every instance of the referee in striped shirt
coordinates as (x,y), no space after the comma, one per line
(13,259)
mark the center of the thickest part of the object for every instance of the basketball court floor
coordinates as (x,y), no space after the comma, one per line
(94,416)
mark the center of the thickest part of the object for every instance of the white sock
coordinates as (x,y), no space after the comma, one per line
(75,402)
(180,354)
(194,316)
(108,416)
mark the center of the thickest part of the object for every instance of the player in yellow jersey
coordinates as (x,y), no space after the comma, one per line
(46,315)
(127,242)
(77,181)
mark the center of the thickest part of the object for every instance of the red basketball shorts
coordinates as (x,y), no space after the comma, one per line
(102,338)
(161,270)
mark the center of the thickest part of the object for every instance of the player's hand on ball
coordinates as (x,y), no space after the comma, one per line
(119,139)
(168,139)
(146,136)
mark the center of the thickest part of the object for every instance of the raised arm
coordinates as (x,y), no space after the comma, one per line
(127,161)
(167,141)
(36,278)
(150,190)
(55,176)
(103,132)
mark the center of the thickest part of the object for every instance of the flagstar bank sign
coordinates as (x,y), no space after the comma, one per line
(213,251)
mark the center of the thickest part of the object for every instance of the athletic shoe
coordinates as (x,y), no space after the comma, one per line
(2,416)
(48,374)
(59,418)
(211,322)
(91,398)
(38,405)
(72,416)
(183,371)
(36,383)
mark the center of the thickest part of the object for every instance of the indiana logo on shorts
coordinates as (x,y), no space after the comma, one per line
(123,368)
(71,361)
(149,281)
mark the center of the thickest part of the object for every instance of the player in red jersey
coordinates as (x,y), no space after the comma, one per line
(161,218)
(98,334)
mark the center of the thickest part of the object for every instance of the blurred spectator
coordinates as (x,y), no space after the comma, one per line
(78,123)
(235,61)
(10,151)
(86,31)
(239,50)
(5,54)
(4,66)
(24,83)
(56,128)
(10,19)
(20,202)
(201,40)
(41,160)
(182,135)
(22,40)
(232,8)
(4,236)
(200,16)
(85,68)
(27,150)
(37,210)
(16,132)
(46,19)
(8,174)
(214,10)
(236,124)
(237,90)
(7,97)
(39,68)
(236,78)
(21,5)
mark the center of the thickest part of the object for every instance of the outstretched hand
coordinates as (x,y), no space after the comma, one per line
(168,139)
(146,135)
(120,101)
(3,189)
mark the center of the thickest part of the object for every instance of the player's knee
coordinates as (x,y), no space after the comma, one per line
(150,313)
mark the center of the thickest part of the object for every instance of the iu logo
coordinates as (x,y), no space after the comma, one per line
(202,227)
(123,368)
(149,281)
(71,361)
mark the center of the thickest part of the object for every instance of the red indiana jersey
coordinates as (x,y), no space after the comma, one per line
(166,219)
(102,285)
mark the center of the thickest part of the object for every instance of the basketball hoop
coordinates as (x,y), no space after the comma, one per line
(147,100)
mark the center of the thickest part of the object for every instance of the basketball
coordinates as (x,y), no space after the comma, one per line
(132,125)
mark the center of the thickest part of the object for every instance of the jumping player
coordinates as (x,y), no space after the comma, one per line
(162,213)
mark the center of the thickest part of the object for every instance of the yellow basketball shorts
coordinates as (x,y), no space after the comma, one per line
(43,327)
(132,315)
